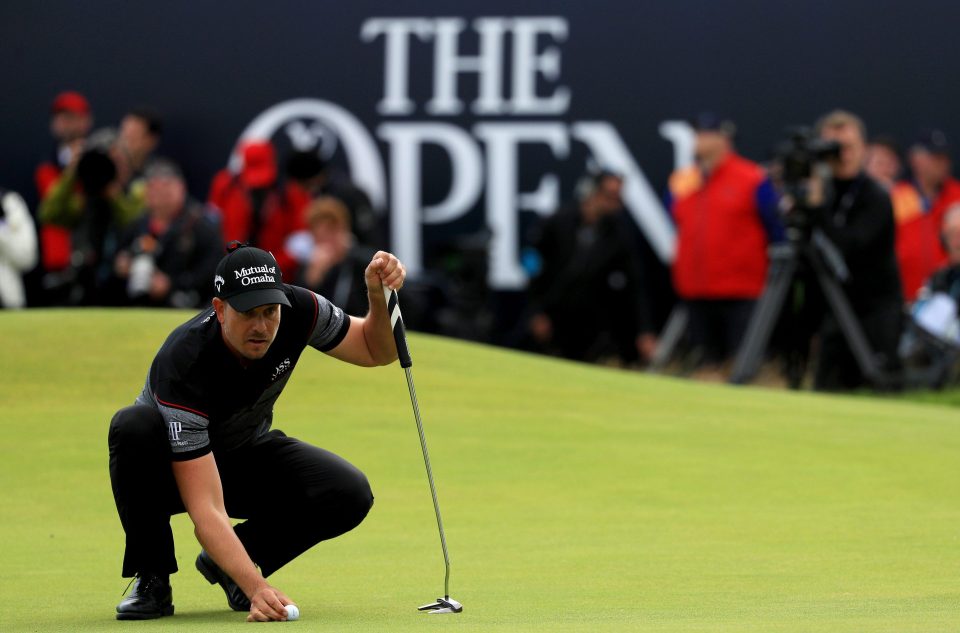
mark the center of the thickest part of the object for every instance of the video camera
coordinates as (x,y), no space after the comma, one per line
(802,170)
(800,155)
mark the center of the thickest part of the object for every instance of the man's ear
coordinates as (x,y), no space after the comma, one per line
(219,306)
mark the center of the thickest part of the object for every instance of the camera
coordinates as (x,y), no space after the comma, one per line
(96,168)
(801,153)
(801,168)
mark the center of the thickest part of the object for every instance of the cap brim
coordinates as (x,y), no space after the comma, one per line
(256,298)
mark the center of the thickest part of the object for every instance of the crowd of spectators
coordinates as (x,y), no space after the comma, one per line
(116,225)
(889,226)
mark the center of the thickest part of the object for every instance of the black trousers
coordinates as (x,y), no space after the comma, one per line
(292,495)
(837,368)
(717,326)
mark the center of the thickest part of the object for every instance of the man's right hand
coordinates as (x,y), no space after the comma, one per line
(199,483)
(268,604)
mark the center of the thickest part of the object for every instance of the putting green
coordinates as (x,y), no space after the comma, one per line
(575,498)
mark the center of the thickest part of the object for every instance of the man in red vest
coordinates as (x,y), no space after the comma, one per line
(725,209)
(918,206)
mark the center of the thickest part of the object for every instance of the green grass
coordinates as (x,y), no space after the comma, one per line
(575,498)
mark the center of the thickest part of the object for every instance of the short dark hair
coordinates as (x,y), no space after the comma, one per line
(888,141)
(304,165)
(597,178)
(150,117)
(591,181)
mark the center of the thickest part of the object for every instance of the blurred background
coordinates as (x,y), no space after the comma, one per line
(528,164)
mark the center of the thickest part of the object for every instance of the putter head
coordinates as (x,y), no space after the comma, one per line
(442,605)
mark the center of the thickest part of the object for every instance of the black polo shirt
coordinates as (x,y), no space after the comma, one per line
(208,399)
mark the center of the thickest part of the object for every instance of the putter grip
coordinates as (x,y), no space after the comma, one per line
(396,322)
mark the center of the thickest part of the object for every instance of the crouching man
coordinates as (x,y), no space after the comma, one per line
(199,438)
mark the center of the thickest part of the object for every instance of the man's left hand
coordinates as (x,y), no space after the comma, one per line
(385,270)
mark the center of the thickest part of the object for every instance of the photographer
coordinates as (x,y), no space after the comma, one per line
(70,122)
(858,219)
(168,256)
(89,200)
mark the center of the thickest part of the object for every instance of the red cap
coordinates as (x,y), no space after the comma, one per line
(259,164)
(70,101)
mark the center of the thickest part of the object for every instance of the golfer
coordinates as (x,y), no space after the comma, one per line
(198,438)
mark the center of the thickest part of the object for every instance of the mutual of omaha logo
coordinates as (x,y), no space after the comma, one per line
(218,281)
(256,275)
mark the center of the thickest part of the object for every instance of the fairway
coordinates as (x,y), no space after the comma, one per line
(575,498)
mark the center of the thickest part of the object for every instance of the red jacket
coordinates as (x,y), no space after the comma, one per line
(919,249)
(55,243)
(721,233)
(281,215)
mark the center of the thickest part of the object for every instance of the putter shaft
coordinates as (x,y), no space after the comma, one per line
(433,488)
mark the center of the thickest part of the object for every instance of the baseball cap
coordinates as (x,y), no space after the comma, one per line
(259,164)
(713,122)
(931,140)
(248,277)
(70,101)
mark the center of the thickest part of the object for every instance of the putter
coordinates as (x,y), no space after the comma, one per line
(445,604)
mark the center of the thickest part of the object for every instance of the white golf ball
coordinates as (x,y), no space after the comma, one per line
(293,613)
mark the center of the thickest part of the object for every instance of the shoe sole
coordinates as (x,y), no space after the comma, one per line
(213,579)
(146,616)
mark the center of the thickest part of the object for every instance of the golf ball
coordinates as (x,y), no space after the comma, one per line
(293,613)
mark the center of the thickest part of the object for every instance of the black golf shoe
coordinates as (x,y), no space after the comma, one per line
(150,598)
(237,600)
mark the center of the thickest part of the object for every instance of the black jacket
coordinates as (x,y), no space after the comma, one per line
(860,223)
(188,253)
(591,278)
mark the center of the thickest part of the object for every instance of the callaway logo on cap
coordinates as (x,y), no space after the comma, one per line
(248,277)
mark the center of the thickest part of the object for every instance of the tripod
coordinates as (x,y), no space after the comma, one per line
(829,269)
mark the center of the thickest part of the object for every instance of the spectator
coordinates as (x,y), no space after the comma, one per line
(725,209)
(586,300)
(89,199)
(168,256)
(255,208)
(859,221)
(140,132)
(308,171)
(930,347)
(70,122)
(947,279)
(18,248)
(883,162)
(944,285)
(919,205)
(331,262)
